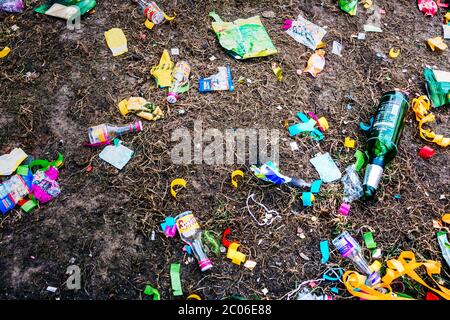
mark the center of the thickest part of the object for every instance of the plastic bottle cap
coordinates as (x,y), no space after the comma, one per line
(205,264)
(139,126)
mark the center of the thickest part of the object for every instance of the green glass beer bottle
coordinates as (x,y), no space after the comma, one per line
(383,138)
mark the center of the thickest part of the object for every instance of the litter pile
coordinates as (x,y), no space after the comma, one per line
(30,182)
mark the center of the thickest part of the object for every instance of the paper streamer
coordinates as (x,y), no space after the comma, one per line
(235,256)
(315,186)
(368,239)
(307,199)
(325,251)
(193,297)
(22,170)
(44,164)
(366,127)
(225,234)
(446,218)
(396,268)
(168,227)
(175,279)
(176,182)
(421,107)
(336,272)
(211,241)
(5,52)
(29,205)
(150,291)
(233,175)
(360,160)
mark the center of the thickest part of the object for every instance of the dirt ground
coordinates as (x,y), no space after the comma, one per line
(56,83)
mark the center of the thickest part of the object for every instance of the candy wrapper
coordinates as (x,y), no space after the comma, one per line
(117,155)
(326,167)
(316,63)
(13,190)
(11,6)
(141,107)
(271,173)
(220,81)
(438,86)
(428,7)
(65,9)
(243,38)
(348,6)
(163,71)
(304,32)
(45,188)
(117,41)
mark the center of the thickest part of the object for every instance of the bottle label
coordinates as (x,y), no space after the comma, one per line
(98,134)
(386,116)
(187,225)
(345,244)
(154,13)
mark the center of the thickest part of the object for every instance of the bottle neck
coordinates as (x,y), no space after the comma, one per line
(132,127)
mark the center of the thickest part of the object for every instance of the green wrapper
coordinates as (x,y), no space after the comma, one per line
(348,6)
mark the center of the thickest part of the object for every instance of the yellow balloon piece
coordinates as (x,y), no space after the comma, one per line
(437,43)
(176,182)
(446,218)
(5,52)
(193,297)
(394,53)
(235,256)
(421,107)
(233,175)
(163,71)
(116,40)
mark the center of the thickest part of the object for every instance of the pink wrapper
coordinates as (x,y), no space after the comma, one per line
(428,7)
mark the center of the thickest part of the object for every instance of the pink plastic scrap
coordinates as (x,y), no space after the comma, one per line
(344,209)
(443,5)
(287,24)
(170,231)
(428,7)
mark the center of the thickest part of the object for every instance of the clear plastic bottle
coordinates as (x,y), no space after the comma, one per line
(105,133)
(180,79)
(349,248)
(190,233)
